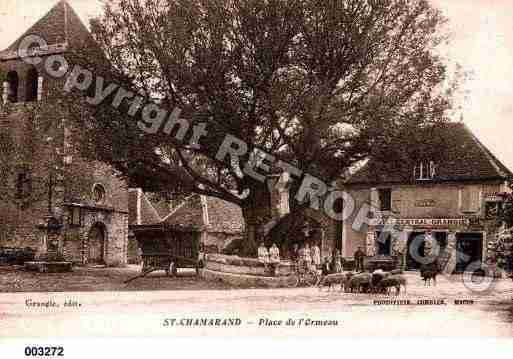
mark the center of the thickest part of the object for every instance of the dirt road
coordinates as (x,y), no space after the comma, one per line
(262,312)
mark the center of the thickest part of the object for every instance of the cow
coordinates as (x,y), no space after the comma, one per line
(429,271)
(392,281)
(360,283)
(331,279)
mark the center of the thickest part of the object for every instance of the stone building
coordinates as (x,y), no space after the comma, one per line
(53,199)
(219,222)
(434,207)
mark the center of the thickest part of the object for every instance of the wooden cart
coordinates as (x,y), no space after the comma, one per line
(167,248)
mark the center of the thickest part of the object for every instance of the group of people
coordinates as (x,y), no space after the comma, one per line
(269,257)
(307,258)
(335,263)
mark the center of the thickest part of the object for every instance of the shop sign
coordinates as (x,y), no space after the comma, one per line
(425,203)
(429,222)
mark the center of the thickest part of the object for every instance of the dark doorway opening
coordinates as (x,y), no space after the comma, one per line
(416,248)
(383,244)
(469,249)
(96,251)
(13,83)
(31,85)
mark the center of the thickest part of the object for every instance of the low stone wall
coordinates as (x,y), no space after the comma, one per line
(245,272)
(240,265)
(247,281)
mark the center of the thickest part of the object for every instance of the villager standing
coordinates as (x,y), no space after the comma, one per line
(325,268)
(263,254)
(274,254)
(338,262)
(358,258)
(307,257)
(316,256)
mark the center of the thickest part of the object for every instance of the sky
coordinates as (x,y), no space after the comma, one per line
(481,42)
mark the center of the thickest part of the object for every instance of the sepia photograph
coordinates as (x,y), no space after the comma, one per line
(255,168)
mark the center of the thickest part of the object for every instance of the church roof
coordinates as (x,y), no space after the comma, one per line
(61,28)
(464,159)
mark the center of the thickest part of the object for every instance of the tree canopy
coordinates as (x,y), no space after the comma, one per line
(318,84)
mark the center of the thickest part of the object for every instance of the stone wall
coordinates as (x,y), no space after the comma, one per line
(245,272)
(244,266)
(75,245)
(40,129)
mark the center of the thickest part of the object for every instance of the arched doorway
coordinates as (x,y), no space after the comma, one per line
(96,240)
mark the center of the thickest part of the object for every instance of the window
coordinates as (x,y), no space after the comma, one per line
(385,199)
(469,199)
(383,244)
(424,171)
(98,193)
(492,209)
(12,86)
(31,85)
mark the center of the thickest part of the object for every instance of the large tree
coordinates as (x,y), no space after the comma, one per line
(319,84)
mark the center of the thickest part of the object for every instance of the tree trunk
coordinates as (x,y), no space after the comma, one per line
(253,220)
(256,211)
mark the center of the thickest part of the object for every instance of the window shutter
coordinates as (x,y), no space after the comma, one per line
(470,200)
(474,200)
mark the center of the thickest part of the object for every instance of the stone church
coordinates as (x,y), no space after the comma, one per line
(54,200)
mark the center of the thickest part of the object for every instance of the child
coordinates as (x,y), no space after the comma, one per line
(338,262)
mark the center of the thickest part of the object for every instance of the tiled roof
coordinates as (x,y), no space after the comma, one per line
(464,159)
(188,213)
(222,216)
(141,210)
(60,25)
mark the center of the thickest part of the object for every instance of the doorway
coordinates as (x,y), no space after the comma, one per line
(415,249)
(97,236)
(469,249)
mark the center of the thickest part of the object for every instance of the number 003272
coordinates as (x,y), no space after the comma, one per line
(44,351)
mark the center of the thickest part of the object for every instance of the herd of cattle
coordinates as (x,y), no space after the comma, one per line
(378,282)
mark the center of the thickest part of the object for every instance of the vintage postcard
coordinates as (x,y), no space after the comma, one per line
(284,169)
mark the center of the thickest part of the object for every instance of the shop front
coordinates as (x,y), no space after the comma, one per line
(457,243)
